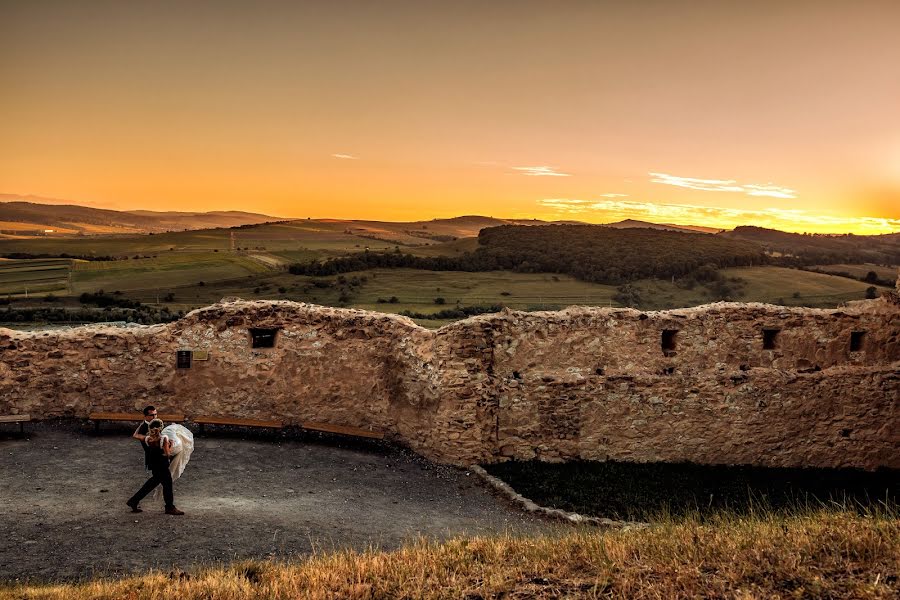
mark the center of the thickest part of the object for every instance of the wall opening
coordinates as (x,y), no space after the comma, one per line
(856,340)
(770,338)
(669,340)
(263,338)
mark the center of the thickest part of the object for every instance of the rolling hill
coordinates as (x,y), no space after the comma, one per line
(20,218)
(798,249)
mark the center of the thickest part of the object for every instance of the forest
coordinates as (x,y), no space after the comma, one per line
(590,253)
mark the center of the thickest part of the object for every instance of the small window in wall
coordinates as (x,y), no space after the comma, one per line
(183,359)
(263,338)
(857,338)
(770,338)
(669,340)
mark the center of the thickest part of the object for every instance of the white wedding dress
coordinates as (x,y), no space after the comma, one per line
(182,446)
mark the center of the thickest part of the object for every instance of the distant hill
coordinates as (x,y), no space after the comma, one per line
(20,218)
(800,249)
(634,224)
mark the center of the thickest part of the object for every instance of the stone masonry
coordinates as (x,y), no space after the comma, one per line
(722,383)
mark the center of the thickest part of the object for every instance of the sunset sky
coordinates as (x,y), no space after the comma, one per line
(778,114)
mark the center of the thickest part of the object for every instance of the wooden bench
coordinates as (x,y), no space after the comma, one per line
(342,429)
(20,419)
(97,417)
(207,420)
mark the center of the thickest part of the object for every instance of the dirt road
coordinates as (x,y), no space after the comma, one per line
(63,492)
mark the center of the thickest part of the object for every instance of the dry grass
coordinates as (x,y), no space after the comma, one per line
(818,555)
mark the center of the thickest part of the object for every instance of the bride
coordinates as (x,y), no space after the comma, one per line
(176,442)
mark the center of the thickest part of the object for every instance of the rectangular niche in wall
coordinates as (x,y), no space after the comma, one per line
(263,338)
(669,341)
(770,338)
(857,338)
(183,359)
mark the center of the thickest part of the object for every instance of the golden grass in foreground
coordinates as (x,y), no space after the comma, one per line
(825,555)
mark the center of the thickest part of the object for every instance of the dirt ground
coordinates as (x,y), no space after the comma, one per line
(246,495)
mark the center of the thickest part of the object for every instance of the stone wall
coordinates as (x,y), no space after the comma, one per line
(580,383)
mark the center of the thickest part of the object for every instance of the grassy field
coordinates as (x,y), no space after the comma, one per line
(826,554)
(860,271)
(774,285)
(188,269)
(779,285)
(169,270)
(35,276)
(183,280)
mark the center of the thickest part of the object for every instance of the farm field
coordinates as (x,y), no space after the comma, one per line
(34,276)
(779,285)
(415,290)
(318,239)
(774,285)
(166,271)
(860,271)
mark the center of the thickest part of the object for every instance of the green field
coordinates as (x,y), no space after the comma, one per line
(860,271)
(189,269)
(34,276)
(167,271)
(774,285)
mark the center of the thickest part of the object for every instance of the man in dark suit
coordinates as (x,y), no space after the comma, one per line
(157,463)
(140,433)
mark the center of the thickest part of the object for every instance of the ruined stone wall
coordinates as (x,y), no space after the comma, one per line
(580,383)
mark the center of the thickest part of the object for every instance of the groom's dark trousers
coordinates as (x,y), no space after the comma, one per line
(159,467)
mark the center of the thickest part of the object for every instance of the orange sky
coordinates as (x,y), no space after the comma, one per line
(780,114)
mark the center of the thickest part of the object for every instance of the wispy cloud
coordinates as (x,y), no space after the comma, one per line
(726,218)
(614,195)
(541,171)
(724,185)
(345,156)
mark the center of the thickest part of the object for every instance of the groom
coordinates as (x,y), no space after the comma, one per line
(157,463)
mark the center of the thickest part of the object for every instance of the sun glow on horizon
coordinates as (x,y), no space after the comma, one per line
(416,110)
(784,219)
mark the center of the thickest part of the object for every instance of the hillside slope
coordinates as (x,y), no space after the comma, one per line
(30,218)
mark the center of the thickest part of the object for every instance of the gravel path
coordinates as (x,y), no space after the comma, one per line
(63,492)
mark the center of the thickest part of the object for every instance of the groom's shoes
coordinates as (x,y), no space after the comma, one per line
(134,507)
(174,511)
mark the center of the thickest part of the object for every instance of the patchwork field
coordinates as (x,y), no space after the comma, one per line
(166,272)
(318,239)
(34,276)
(188,269)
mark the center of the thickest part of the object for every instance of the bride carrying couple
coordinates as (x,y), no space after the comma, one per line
(167,451)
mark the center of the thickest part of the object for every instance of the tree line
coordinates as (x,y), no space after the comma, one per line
(587,252)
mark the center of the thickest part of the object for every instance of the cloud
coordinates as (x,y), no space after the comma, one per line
(345,156)
(540,172)
(724,185)
(788,219)
(614,195)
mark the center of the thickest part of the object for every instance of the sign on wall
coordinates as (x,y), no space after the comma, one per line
(183,359)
